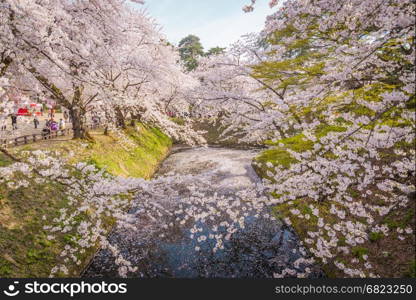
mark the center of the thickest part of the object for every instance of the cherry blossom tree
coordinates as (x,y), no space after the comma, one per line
(228,90)
(330,85)
(87,55)
(347,70)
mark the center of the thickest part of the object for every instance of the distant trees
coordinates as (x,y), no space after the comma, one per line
(190,49)
(215,51)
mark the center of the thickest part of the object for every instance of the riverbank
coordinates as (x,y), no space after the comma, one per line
(25,247)
(327,228)
(213,132)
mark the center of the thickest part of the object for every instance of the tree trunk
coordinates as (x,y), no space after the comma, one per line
(138,117)
(279,129)
(120,118)
(78,123)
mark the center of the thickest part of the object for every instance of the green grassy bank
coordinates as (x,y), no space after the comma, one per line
(391,257)
(25,250)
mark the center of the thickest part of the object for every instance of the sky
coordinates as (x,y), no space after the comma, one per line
(216,22)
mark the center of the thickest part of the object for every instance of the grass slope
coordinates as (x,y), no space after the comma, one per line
(393,258)
(25,250)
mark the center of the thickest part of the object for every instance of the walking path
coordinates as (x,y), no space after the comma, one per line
(26,132)
(25,126)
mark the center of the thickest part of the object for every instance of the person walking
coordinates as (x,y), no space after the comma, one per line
(36,122)
(14,121)
(61,124)
(66,116)
(46,131)
(95,120)
(3,121)
(54,126)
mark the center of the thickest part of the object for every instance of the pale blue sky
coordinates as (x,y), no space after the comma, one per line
(216,22)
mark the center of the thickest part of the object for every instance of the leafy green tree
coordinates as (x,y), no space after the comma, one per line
(190,49)
(215,51)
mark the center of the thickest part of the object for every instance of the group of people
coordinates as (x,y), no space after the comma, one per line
(181,115)
(3,122)
(51,116)
(50,125)
(95,119)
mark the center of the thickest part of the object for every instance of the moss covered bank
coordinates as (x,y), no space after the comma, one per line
(25,250)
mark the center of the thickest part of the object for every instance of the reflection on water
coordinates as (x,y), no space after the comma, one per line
(262,248)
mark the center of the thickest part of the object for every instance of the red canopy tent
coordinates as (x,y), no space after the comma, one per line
(23,112)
